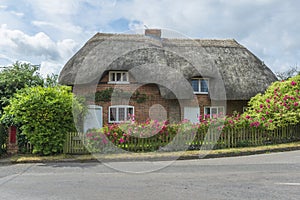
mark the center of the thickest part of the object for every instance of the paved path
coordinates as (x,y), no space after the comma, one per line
(269,176)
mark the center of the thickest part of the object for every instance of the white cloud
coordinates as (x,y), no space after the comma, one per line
(3,6)
(16,45)
(18,14)
(48,67)
(51,31)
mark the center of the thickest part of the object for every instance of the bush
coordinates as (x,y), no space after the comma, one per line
(44,115)
(279,106)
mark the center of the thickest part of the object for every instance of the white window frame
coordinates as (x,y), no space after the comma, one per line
(214,107)
(199,85)
(126,107)
(114,73)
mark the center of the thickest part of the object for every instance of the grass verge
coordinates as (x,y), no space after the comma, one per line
(156,155)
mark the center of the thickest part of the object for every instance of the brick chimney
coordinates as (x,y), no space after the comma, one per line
(155,33)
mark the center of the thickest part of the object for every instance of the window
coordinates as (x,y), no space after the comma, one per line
(200,85)
(118,77)
(214,111)
(119,113)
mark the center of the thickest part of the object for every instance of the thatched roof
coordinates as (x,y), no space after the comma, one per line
(171,63)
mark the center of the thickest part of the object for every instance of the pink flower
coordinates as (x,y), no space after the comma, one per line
(104,141)
(121,140)
(296,104)
(256,124)
(261,106)
(268,100)
(293,83)
(267,113)
(263,118)
(247,117)
(270,120)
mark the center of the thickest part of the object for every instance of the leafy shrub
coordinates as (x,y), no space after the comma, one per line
(279,106)
(45,115)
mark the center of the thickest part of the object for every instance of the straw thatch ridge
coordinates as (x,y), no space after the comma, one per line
(229,64)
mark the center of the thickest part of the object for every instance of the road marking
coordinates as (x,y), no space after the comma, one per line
(291,184)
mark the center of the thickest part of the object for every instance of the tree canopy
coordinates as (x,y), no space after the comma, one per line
(15,77)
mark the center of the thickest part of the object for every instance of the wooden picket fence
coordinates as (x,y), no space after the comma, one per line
(76,143)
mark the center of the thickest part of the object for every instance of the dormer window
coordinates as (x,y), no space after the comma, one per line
(200,85)
(118,77)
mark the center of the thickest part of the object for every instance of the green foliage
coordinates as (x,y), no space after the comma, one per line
(45,115)
(279,106)
(16,77)
(51,80)
(3,139)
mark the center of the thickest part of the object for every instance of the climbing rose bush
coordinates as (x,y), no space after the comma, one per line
(278,106)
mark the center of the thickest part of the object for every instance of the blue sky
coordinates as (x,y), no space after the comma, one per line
(50,32)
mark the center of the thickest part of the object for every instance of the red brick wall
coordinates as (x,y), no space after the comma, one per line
(158,106)
(236,105)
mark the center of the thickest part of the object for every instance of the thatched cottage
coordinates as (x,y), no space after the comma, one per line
(164,78)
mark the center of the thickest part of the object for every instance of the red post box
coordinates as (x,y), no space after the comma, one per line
(13,135)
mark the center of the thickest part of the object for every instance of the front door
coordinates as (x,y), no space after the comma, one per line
(192,114)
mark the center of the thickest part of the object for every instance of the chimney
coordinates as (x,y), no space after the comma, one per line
(155,33)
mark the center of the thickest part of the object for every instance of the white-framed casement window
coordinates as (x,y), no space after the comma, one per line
(118,77)
(119,113)
(214,111)
(200,85)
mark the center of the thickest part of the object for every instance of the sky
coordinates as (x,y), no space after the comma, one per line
(49,33)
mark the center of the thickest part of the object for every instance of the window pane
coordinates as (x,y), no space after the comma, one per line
(195,85)
(207,111)
(112,77)
(121,114)
(204,87)
(124,76)
(214,111)
(221,110)
(118,76)
(113,114)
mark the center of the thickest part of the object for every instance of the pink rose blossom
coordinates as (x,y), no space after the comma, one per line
(121,140)
(293,83)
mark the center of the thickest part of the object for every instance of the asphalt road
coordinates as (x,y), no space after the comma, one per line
(270,176)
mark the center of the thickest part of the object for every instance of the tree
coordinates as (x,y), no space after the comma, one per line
(16,77)
(278,106)
(289,73)
(45,115)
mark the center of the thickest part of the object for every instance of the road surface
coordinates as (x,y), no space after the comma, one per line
(269,176)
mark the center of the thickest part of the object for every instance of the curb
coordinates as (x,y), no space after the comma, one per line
(8,161)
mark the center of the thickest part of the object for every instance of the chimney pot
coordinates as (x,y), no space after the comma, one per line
(156,33)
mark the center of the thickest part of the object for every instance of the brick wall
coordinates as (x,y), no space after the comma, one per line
(155,106)
(236,105)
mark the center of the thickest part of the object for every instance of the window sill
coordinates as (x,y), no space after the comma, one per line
(200,92)
(118,122)
(118,82)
